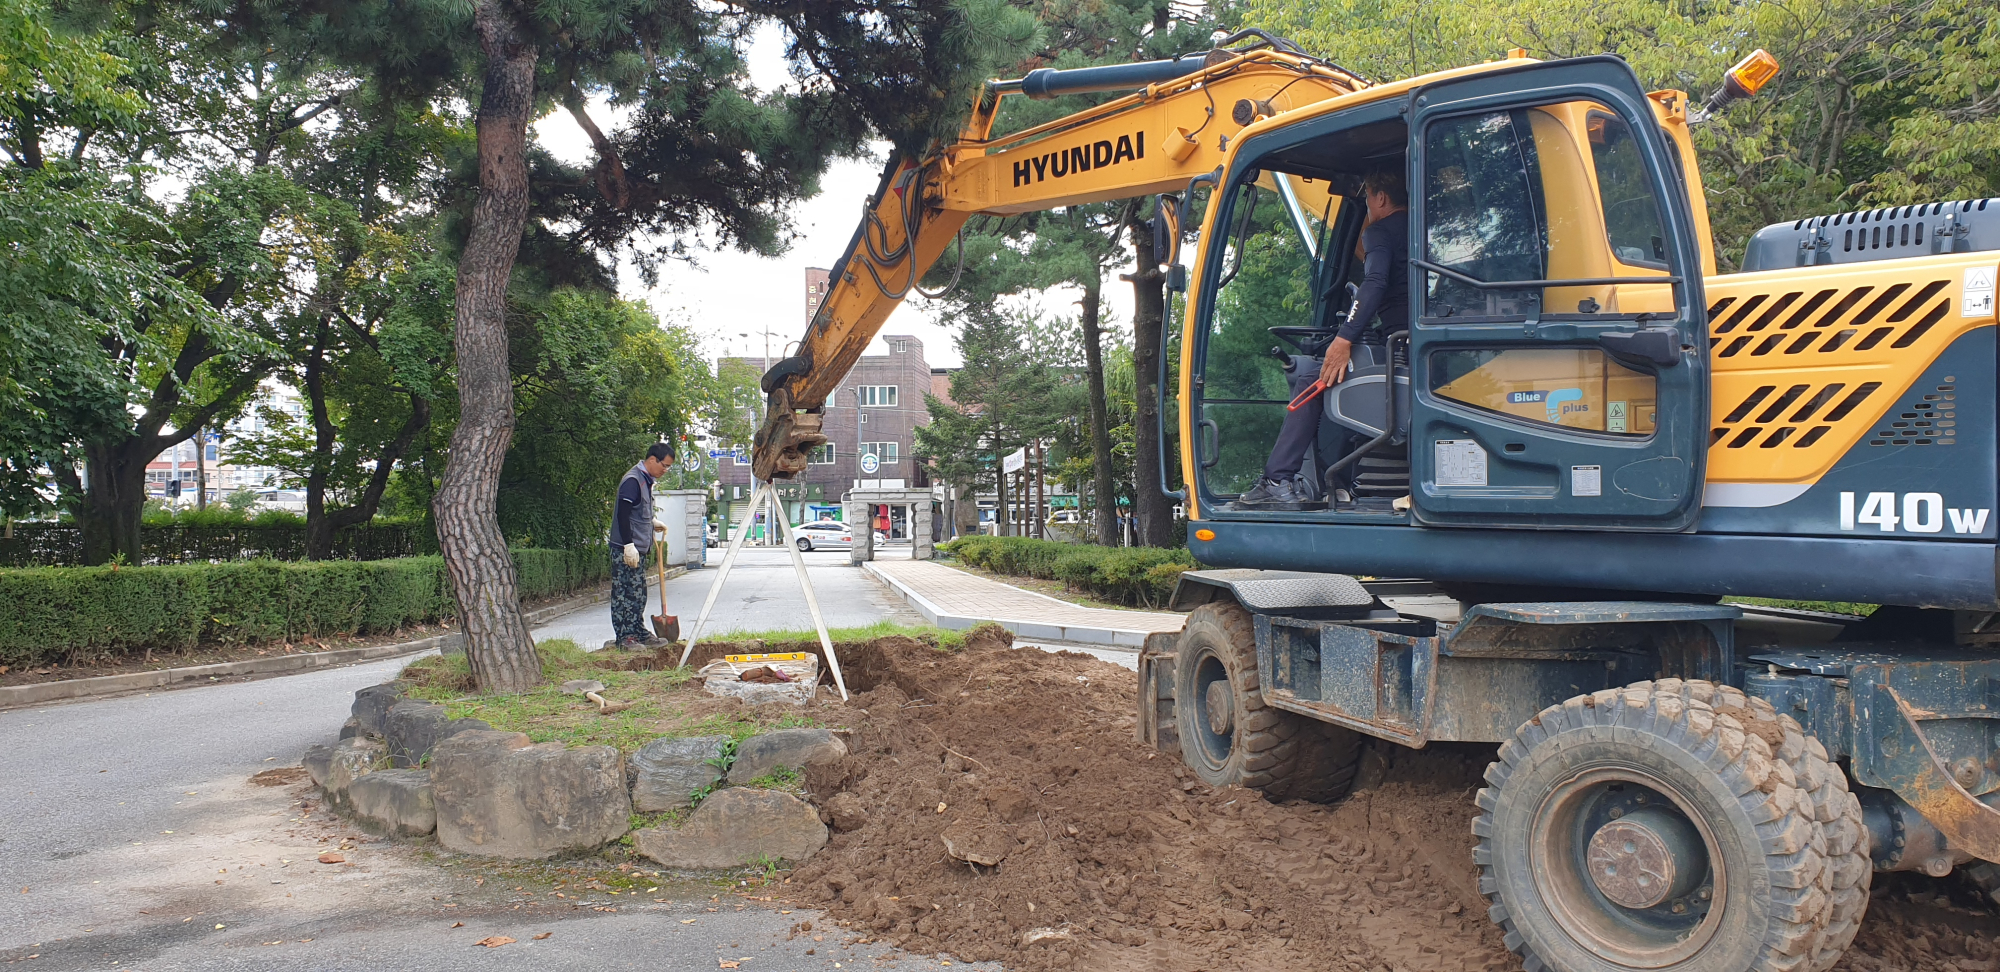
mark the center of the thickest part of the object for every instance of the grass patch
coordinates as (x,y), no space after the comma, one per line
(663,703)
(1826,607)
(783,778)
(941,637)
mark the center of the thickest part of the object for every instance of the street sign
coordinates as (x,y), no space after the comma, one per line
(1015,460)
(870,462)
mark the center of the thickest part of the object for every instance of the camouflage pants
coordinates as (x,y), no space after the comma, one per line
(628,599)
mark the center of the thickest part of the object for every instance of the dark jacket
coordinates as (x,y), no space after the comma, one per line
(632,521)
(1385,290)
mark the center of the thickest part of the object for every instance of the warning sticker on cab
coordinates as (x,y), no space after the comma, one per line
(1977,299)
(1460,462)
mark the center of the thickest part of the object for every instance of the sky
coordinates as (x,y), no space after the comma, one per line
(731,294)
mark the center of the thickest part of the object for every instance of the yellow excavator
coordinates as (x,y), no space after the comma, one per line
(1536,498)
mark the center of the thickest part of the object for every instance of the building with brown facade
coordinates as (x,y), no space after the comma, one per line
(875,411)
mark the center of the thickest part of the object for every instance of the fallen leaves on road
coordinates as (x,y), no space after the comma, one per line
(458,924)
(543,936)
(494,941)
(727,965)
(687,921)
(332,857)
(281,776)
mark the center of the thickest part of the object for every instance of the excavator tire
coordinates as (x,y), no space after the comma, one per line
(1985,876)
(1761,824)
(1229,736)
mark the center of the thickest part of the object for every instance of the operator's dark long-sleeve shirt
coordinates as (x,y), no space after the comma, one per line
(1385,290)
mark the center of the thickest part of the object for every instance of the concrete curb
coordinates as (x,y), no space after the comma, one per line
(1126,638)
(13,696)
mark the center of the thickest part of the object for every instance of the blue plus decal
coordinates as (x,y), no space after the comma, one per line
(1558,403)
(1523,398)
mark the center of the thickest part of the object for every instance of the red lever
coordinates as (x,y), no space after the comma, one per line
(1311,392)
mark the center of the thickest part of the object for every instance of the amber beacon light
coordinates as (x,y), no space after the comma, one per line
(1204,534)
(1744,80)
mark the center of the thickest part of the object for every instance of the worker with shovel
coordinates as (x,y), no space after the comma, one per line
(631,540)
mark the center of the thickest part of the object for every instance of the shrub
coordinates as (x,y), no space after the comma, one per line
(1138,576)
(49,614)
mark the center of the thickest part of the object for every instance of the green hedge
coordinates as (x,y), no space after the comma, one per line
(1138,576)
(50,614)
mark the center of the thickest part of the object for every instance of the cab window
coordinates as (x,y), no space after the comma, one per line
(1483,215)
(1631,213)
(1575,388)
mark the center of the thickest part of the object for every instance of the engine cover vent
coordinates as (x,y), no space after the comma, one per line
(1877,234)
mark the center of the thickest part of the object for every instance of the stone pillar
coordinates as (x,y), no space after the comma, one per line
(860,516)
(921,547)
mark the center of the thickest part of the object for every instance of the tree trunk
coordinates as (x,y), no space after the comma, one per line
(319,535)
(1002,503)
(1100,419)
(200,470)
(112,502)
(497,643)
(1153,514)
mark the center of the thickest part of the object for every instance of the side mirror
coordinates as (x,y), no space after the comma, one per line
(1165,239)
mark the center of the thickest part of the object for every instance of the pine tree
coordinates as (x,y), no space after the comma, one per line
(1001,401)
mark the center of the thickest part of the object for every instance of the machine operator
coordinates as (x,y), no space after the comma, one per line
(1384,296)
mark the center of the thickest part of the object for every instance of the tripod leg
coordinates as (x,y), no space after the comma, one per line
(812,602)
(728,561)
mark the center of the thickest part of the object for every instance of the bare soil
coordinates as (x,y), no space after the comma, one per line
(1112,857)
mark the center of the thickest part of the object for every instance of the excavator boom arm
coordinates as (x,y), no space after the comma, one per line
(1153,140)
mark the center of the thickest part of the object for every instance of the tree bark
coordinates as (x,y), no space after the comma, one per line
(200,470)
(1153,515)
(113,498)
(497,643)
(319,538)
(1100,419)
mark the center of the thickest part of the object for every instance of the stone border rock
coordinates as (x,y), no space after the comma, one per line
(402,768)
(13,696)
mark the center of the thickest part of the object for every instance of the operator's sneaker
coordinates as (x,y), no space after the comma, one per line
(1280,496)
(632,643)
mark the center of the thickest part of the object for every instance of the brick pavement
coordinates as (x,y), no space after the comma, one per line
(952,598)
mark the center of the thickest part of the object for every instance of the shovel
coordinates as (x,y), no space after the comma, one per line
(666,626)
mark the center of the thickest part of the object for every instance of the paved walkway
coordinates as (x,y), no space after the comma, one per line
(952,598)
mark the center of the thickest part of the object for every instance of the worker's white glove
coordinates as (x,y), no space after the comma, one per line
(631,555)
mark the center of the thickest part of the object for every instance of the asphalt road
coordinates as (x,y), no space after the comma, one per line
(130,836)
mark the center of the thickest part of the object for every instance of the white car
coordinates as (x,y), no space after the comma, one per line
(290,500)
(823,535)
(829,535)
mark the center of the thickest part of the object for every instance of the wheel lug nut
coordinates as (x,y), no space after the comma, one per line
(1616,813)
(1705,893)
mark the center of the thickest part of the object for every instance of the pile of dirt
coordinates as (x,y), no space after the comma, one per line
(1111,856)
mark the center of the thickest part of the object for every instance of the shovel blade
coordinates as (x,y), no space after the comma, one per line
(667,626)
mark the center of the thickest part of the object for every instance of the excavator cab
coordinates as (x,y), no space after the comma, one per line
(1555,370)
